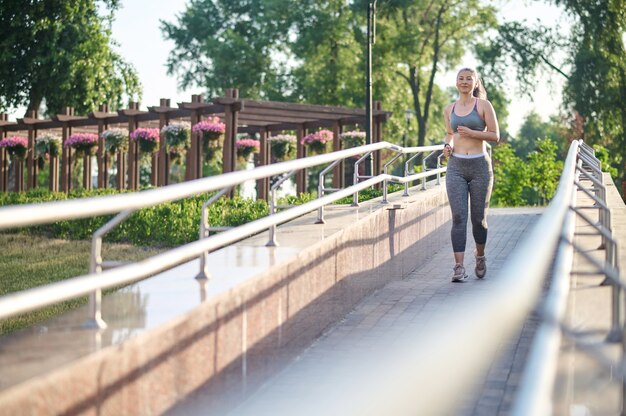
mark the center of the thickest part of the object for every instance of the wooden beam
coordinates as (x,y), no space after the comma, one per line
(164,111)
(66,153)
(31,167)
(337,176)
(300,154)
(262,185)
(133,147)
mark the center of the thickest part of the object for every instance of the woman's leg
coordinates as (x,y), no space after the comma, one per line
(457,189)
(480,187)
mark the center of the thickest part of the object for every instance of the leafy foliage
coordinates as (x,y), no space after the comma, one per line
(510,177)
(61,52)
(597,85)
(595,68)
(419,38)
(168,224)
(533,129)
(545,171)
(529,181)
(329,50)
(230,43)
(604,157)
(313,51)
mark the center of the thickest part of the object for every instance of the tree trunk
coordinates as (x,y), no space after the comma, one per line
(431,81)
(34,104)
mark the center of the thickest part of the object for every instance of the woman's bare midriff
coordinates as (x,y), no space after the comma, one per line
(465,146)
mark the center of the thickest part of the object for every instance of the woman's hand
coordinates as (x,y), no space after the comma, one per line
(447,150)
(464,132)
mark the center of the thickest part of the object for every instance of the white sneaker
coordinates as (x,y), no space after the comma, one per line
(481,266)
(459,273)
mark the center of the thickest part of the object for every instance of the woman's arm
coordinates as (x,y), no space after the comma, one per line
(449,140)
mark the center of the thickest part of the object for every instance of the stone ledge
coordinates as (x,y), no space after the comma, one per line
(239,334)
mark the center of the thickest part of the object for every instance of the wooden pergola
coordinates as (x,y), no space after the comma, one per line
(239,115)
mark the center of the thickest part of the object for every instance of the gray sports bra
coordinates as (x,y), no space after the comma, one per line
(472,120)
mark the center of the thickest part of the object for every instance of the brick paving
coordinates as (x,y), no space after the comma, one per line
(403,306)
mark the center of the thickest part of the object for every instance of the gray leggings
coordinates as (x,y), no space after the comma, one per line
(472,177)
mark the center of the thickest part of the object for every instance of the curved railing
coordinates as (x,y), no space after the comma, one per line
(535,396)
(450,354)
(125,204)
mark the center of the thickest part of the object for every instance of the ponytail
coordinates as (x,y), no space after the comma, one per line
(479,90)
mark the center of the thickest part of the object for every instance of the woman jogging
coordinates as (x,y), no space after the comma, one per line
(470,122)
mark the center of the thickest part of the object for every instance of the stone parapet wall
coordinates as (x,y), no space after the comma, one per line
(241,336)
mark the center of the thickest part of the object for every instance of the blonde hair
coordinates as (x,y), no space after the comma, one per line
(479,89)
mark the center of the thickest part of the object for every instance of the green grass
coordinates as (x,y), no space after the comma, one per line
(28,261)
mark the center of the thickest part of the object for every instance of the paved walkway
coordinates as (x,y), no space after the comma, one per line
(379,319)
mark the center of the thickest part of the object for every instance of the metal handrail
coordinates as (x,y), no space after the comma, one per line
(272,206)
(535,392)
(39,213)
(24,215)
(513,296)
(321,189)
(536,388)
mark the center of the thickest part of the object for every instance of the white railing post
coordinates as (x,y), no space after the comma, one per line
(204,232)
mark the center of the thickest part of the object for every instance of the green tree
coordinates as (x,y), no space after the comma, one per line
(605,159)
(314,51)
(533,130)
(511,177)
(597,85)
(60,52)
(420,38)
(329,48)
(595,70)
(232,43)
(544,172)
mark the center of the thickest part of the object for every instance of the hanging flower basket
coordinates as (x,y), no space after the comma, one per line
(352,139)
(17,146)
(177,138)
(210,129)
(47,145)
(245,147)
(115,140)
(85,144)
(147,138)
(283,146)
(317,142)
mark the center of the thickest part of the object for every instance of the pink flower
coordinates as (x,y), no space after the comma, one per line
(81,140)
(14,141)
(322,136)
(147,134)
(211,124)
(245,144)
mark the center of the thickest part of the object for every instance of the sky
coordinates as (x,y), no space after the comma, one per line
(137,31)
